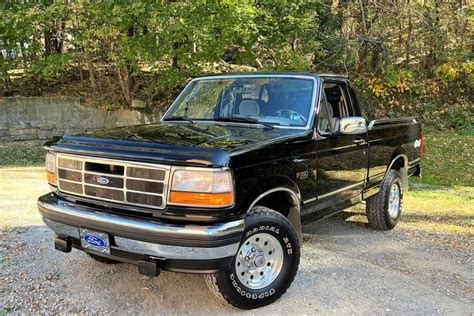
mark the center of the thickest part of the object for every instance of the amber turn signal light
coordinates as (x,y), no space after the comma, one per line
(51,177)
(204,199)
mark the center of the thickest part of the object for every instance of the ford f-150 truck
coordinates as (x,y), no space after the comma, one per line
(223,183)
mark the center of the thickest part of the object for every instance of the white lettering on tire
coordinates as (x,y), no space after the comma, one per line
(249,295)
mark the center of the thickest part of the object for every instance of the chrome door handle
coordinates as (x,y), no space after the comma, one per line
(299,160)
(359,141)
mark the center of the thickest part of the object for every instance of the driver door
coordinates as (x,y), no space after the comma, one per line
(342,160)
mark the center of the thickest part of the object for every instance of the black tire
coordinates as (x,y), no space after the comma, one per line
(102,259)
(227,286)
(377,206)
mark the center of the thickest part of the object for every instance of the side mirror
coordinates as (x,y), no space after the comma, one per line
(352,125)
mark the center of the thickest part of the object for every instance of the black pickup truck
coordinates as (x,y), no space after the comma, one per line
(222,184)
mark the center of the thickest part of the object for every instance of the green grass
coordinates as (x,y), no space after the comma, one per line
(6,310)
(448,158)
(433,209)
(439,209)
(22,153)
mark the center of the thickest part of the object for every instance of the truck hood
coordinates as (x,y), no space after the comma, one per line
(200,143)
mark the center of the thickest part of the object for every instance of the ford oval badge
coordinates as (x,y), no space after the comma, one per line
(103,180)
(94,241)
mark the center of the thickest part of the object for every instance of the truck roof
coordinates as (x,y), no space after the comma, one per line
(335,76)
(300,73)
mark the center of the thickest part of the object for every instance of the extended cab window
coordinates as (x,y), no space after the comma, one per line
(334,106)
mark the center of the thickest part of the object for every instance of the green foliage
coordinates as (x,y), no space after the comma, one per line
(27,153)
(448,158)
(50,66)
(407,58)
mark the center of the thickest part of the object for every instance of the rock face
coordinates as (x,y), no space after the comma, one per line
(43,117)
(138,104)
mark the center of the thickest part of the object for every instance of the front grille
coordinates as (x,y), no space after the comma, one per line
(113,180)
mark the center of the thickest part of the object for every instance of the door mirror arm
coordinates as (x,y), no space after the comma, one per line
(352,125)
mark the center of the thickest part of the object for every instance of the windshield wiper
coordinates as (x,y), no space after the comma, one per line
(178,118)
(239,119)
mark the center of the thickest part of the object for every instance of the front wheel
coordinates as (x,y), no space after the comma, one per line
(265,264)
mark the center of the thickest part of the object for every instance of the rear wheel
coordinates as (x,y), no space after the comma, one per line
(384,209)
(265,264)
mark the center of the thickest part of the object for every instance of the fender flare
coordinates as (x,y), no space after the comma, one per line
(403,171)
(294,215)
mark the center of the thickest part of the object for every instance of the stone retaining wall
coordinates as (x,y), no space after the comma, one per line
(43,117)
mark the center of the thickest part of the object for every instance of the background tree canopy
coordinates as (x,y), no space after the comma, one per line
(407,57)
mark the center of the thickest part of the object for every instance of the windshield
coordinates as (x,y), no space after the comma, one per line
(266,100)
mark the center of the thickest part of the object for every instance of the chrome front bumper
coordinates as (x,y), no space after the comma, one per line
(143,236)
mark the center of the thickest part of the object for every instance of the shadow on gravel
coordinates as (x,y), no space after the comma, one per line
(74,282)
(339,258)
(38,278)
(345,225)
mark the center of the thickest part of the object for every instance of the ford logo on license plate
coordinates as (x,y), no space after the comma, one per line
(95,241)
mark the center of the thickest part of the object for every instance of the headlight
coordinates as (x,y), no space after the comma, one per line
(50,164)
(194,187)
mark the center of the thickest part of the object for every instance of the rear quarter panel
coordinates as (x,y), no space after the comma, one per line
(388,139)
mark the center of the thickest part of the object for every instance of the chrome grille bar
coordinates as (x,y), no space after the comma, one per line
(121,191)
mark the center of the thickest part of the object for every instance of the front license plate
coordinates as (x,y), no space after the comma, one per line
(96,241)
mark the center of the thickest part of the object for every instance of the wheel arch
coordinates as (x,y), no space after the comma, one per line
(399,162)
(285,201)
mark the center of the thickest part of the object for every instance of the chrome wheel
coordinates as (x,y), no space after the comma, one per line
(259,261)
(394,201)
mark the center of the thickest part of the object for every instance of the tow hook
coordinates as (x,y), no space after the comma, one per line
(63,245)
(150,268)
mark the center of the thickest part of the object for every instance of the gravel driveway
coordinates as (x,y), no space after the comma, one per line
(346,268)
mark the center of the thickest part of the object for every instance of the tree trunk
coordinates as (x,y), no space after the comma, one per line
(7,80)
(126,83)
(47,43)
(58,39)
(175,62)
(362,57)
(436,36)
(294,43)
(409,36)
(90,68)
(53,38)
(79,64)
(363,48)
